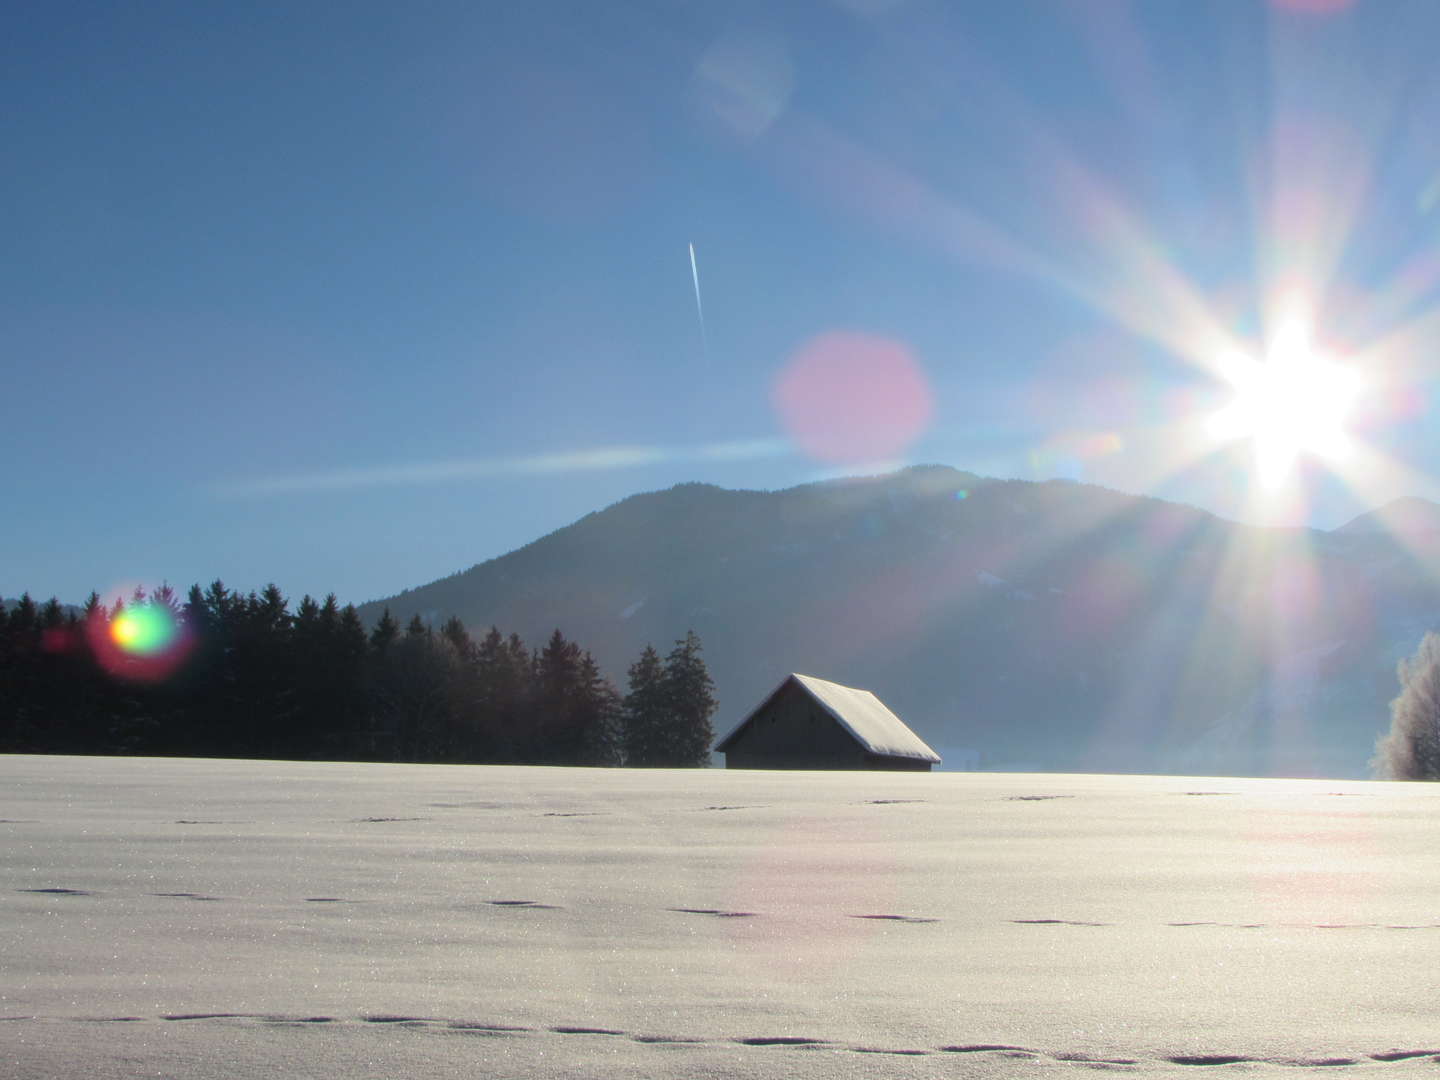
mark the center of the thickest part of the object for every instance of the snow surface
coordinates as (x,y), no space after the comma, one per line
(211,919)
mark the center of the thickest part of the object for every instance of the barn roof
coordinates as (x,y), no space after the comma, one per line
(859,712)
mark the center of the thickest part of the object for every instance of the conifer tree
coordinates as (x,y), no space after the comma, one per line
(349,658)
(554,736)
(646,711)
(385,632)
(52,615)
(454,632)
(502,688)
(690,694)
(599,716)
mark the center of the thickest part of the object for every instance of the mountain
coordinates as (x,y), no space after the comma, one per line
(1013,624)
(1406,517)
(10,603)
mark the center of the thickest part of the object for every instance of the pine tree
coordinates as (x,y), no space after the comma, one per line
(646,711)
(349,659)
(690,695)
(21,708)
(554,736)
(599,715)
(265,666)
(52,615)
(503,689)
(454,632)
(385,632)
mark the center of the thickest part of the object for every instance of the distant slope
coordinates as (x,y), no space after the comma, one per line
(1408,516)
(1029,625)
(9,603)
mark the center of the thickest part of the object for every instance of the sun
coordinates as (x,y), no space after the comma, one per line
(1294,401)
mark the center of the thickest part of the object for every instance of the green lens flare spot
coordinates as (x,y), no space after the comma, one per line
(143,631)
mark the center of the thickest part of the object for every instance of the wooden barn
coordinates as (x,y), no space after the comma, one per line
(808,723)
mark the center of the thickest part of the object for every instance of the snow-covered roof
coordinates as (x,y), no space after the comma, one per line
(859,712)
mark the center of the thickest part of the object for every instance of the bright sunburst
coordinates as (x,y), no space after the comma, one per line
(1294,401)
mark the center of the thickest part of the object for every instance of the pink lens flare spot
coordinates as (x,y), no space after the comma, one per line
(1314,7)
(846,397)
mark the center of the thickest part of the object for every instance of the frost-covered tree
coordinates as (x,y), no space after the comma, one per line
(1411,748)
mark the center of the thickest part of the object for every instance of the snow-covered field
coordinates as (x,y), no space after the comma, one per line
(182,918)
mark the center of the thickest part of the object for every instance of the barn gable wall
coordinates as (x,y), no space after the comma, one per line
(794,732)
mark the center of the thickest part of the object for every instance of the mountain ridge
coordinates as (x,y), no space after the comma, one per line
(1020,624)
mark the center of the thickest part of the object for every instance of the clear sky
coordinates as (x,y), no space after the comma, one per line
(353,296)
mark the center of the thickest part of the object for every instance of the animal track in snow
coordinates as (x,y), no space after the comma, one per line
(59,892)
(567,1029)
(530,904)
(781,1042)
(210,1016)
(986,1048)
(1058,922)
(1313,926)
(898,1053)
(898,918)
(487,1029)
(1035,798)
(717,912)
(184,896)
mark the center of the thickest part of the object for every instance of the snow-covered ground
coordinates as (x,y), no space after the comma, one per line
(210,919)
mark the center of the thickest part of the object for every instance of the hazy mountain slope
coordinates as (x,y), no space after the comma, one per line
(1408,516)
(1052,625)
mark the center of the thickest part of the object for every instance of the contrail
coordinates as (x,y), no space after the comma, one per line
(699,307)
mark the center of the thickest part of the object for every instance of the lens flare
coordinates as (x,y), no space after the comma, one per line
(144,631)
(1313,7)
(144,643)
(1295,401)
(852,398)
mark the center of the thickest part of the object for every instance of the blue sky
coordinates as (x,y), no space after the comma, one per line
(351,297)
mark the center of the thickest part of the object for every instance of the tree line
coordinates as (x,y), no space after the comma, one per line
(225,674)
